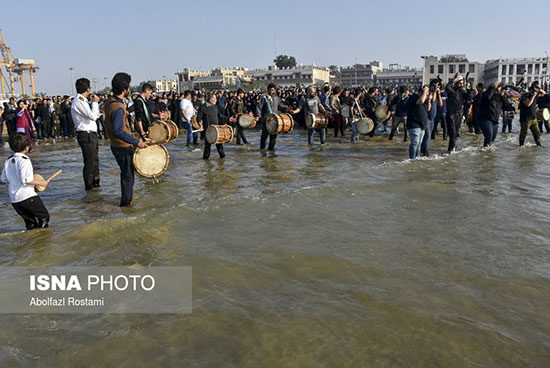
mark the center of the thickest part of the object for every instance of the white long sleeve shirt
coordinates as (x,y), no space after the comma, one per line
(84,116)
(17,172)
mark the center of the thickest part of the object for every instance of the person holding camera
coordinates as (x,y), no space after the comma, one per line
(85,114)
(528,114)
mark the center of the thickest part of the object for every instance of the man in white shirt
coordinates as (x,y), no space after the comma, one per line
(18,173)
(187,113)
(84,116)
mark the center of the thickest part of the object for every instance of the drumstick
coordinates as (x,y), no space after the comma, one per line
(54,175)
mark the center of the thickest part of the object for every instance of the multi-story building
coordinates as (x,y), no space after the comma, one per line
(360,74)
(510,71)
(219,78)
(165,85)
(299,76)
(397,76)
(446,67)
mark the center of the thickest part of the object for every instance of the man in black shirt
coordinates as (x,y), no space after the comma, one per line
(528,115)
(369,103)
(455,101)
(143,117)
(68,127)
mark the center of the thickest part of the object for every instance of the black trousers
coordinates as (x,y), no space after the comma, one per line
(48,131)
(1,130)
(206,154)
(263,138)
(39,130)
(240,135)
(33,212)
(10,124)
(453,127)
(124,157)
(90,153)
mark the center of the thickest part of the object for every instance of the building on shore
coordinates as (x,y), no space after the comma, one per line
(511,71)
(218,78)
(166,85)
(395,76)
(446,66)
(299,76)
(360,74)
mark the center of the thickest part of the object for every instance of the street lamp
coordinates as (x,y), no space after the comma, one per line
(72,79)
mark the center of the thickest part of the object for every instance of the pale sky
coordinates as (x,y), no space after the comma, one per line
(153,39)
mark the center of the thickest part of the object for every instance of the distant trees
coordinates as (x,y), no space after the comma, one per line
(334,69)
(285,61)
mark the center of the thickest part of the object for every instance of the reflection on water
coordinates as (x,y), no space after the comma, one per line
(346,255)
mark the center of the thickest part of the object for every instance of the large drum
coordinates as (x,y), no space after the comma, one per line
(543,114)
(365,125)
(382,113)
(161,132)
(152,161)
(316,121)
(247,121)
(219,134)
(279,123)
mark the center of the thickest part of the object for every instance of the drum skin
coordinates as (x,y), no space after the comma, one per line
(543,114)
(247,121)
(279,123)
(151,162)
(216,134)
(39,188)
(382,113)
(365,125)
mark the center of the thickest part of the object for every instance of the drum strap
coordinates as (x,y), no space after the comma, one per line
(268,104)
(359,108)
(146,109)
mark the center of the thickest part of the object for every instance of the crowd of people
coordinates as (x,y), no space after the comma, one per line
(124,118)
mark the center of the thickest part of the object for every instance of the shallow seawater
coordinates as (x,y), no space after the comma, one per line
(341,256)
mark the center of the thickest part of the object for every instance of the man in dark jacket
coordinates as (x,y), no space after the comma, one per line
(528,114)
(400,115)
(455,101)
(491,105)
(210,114)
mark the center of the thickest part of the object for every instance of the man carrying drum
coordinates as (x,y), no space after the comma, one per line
(141,107)
(268,104)
(117,129)
(210,114)
(311,104)
(237,108)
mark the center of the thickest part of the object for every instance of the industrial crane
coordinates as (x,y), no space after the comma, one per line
(15,68)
